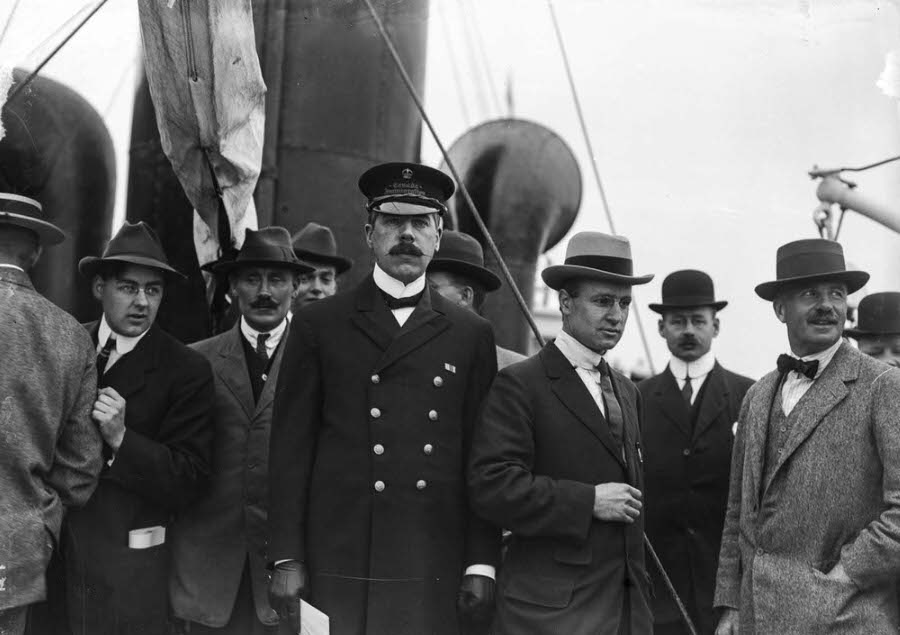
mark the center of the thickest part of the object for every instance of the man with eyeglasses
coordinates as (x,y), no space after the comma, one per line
(153,412)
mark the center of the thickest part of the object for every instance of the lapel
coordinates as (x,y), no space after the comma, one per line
(426,322)
(672,403)
(756,432)
(231,367)
(714,398)
(16,277)
(268,392)
(372,315)
(826,392)
(574,395)
(631,425)
(128,374)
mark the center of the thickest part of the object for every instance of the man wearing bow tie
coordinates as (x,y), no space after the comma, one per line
(374,410)
(812,529)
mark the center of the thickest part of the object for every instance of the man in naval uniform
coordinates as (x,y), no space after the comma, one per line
(374,411)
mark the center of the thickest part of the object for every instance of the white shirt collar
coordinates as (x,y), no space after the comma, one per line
(124,344)
(696,369)
(823,357)
(275,335)
(17,267)
(579,355)
(394,287)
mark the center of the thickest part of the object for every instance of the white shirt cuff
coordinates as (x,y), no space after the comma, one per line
(482,569)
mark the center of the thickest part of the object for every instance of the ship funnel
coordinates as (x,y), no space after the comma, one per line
(526,184)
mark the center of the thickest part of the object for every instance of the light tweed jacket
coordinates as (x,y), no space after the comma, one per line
(49,447)
(834,497)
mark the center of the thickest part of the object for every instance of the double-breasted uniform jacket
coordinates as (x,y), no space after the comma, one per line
(49,444)
(833,496)
(213,539)
(540,447)
(160,468)
(370,437)
(687,460)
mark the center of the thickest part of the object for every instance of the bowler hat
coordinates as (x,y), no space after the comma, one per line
(879,314)
(134,243)
(810,260)
(595,256)
(461,254)
(406,189)
(266,247)
(687,288)
(22,211)
(315,244)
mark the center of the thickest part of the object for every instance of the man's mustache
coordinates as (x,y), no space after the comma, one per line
(405,249)
(820,315)
(264,303)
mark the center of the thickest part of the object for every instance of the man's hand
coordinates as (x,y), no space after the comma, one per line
(475,604)
(839,573)
(109,413)
(617,502)
(729,623)
(290,582)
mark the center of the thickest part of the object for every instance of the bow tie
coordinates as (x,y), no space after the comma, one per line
(787,363)
(402,303)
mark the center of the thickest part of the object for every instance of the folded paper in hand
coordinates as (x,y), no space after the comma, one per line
(146,537)
(312,620)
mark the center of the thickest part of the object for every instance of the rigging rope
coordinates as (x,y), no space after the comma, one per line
(472,54)
(454,66)
(9,20)
(482,54)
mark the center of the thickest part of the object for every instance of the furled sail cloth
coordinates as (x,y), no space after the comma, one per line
(208,92)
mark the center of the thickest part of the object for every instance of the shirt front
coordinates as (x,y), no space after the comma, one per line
(697,370)
(124,344)
(795,384)
(275,335)
(584,361)
(397,289)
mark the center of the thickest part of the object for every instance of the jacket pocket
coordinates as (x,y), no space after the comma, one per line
(554,593)
(569,553)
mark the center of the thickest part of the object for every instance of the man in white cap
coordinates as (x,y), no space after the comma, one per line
(557,460)
(50,445)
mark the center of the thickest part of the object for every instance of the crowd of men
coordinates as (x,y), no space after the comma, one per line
(360,450)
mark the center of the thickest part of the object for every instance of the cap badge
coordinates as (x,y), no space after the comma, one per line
(407,173)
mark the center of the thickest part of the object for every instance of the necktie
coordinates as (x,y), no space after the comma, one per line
(401,303)
(261,351)
(613,410)
(787,363)
(687,391)
(103,355)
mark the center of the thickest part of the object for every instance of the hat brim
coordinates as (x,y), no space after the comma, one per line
(488,279)
(48,233)
(857,333)
(555,276)
(222,268)
(855,280)
(89,265)
(339,263)
(662,308)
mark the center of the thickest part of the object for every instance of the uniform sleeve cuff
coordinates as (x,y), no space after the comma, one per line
(482,569)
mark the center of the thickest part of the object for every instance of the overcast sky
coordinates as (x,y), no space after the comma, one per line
(705,117)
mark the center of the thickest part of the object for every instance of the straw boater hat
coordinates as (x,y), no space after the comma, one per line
(811,260)
(879,314)
(134,243)
(315,244)
(25,212)
(406,189)
(266,247)
(595,256)
(461,254)
(687,288)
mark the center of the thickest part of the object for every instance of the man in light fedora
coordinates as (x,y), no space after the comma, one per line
(877,331)
(219,581)
(458,273)
(557,459)
(689,411)
(812,530)
(153,411)
(315,246)
(48,382)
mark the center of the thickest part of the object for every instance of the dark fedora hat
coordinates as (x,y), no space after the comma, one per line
(266,247)
(688,288)
(315,244)
(406,189)
(134,243)
(879,314)
(595,256)
(25,212)
(461,254)
(810,260)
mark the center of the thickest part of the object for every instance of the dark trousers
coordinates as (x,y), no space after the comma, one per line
(12,621)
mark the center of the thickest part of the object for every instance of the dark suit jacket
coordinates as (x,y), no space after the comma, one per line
(686,467)
(540,448)
(50,445)
(370,436)
(213,539)
(160,468)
